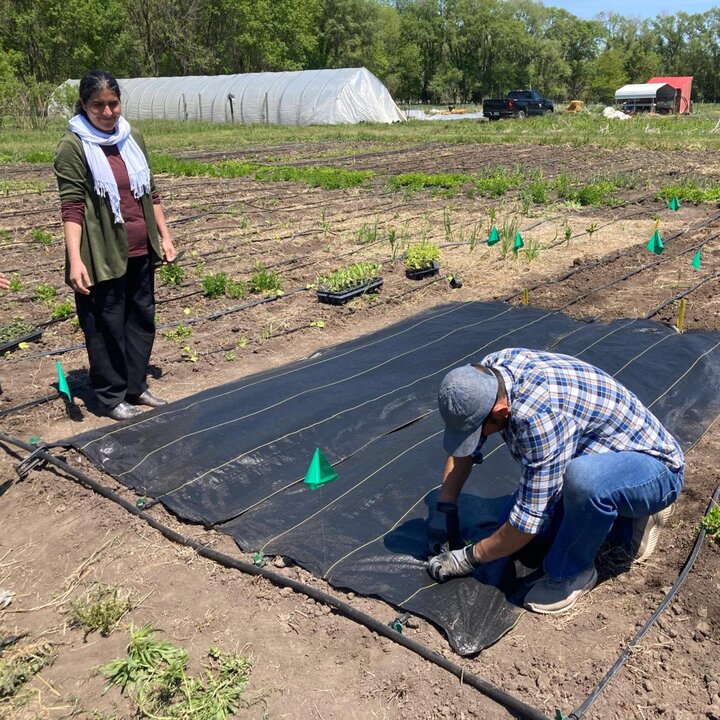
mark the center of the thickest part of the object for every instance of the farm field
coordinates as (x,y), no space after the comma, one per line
(258,224)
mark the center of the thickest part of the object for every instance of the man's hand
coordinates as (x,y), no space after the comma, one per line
(443,529)
(456,563)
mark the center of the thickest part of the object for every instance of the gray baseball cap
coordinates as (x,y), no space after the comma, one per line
(465,399)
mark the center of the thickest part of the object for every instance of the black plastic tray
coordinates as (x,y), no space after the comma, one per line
(341,298)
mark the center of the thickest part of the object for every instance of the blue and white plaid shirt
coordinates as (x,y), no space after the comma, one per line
(561,408)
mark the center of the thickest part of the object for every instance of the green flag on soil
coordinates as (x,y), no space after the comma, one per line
(696,261)
(320,471)
(518,242)
(655,244)
(674,204)
(62,382)
(494,236)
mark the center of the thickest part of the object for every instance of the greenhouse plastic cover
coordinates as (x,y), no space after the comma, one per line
(235,457)
(303,97)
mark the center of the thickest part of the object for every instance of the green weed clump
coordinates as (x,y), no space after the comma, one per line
(497,182)
(690,191)
(350,277)
(236,289)
(326,178)
(214,284)
(179,332)
(415,181)
(171,274)
(711,523)
(265,281)
(154,674)
(100,609)
(41,237)
(20,664)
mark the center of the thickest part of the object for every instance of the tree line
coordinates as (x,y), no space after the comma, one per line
(430,51)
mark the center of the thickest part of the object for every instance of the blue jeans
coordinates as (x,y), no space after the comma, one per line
(597,489)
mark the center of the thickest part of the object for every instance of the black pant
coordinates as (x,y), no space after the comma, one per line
(118,320)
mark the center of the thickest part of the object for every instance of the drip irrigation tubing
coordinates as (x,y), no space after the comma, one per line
(681,295)
(585,706)
(486,688)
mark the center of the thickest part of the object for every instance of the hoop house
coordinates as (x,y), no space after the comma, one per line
(304,97)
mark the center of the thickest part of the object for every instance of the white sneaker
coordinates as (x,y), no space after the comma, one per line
(550,596)
(646,531)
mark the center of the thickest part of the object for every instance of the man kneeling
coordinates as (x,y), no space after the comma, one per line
(590,452)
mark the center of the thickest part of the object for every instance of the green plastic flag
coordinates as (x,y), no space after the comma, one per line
(518,242)
(674,204)
(62,382)
(320,471)
(655,244)
(696,261)
(494,236)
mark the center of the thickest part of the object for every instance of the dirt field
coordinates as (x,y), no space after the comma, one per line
(57,538)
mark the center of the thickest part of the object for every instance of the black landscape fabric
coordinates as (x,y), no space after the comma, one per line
(235,457)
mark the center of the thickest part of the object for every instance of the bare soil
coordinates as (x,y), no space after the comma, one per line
(57,538)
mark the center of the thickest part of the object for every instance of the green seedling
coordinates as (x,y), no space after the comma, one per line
(320,324)
(179,332)
(229,356)
(348,278)
(188,354)
(242,342)
(60,311)
(711,523)
(236,289)
(367,234)
(46,293)
(567,233)
(421,255)
(16,283)
(15,329)
(591,229)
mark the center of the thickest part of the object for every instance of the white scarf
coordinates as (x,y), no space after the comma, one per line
(135,161)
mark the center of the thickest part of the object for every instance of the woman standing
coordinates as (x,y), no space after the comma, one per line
(115,235)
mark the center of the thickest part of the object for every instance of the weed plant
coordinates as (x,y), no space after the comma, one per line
(421,255)
(497,182)
(350,277)
(367,233)
(20,664)
(100,609)
(236,289)
(41,237)
(691,191)
(507,231)
(60,311)
(418,181)
(265,281)
(171,274)
(214,284)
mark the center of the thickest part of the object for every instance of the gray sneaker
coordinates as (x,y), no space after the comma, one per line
(550,596)
(646,531)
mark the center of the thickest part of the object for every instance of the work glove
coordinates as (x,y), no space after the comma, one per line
(456,563)
(443,531)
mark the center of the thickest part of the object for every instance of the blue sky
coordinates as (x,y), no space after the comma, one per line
(588,9)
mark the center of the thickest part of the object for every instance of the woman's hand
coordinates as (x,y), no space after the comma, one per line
(79,277)
(168,248)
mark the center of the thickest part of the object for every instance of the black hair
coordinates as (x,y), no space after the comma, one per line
(93,81)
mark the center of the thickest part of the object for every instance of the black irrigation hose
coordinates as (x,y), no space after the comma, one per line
(486,688)
(582,709)
(30,403)
(681,295)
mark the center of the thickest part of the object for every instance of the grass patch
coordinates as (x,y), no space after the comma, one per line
(100,609)
(154,674)
(597,192)
(497,182)
(41,237)
(415,181)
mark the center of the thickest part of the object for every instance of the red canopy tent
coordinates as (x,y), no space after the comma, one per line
(683,85)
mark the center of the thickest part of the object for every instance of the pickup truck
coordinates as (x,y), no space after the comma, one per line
(519,104)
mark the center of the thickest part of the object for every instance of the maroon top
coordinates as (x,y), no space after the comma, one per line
(130,207)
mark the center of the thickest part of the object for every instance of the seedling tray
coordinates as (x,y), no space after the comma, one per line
(340,298)
(420,273)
